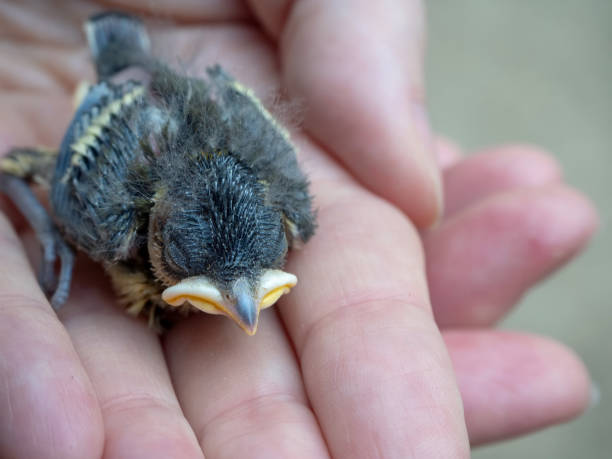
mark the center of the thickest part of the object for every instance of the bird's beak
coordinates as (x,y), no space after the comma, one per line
(242,305)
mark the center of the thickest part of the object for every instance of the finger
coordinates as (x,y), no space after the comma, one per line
(43,71)
(514,383)
(47,404)
(496,170)
(190,10)
(447,153)
(32,119)
(28,20)
(373,364)
(123,357)
(483,259)
(242,395)
(43,22)
(358,67)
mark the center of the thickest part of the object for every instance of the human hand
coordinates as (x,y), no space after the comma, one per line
(352,365)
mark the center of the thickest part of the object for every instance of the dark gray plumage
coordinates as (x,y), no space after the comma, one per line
(173,178)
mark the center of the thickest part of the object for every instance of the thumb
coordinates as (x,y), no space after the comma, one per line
(358,66)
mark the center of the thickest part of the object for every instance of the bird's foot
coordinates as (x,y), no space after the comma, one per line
(55,248)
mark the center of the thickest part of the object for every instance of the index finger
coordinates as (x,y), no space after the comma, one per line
(47,404)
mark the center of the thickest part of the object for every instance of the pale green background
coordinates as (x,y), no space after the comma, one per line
(540,71)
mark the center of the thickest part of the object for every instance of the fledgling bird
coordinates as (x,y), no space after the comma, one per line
(186,190)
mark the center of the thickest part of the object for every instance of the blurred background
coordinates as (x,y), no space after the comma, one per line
(541,72)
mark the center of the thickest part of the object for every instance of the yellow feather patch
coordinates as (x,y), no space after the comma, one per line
(248,93)
(90,138)
(79,94)
(34,164)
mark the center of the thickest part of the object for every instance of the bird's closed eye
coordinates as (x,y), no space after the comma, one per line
(176,256)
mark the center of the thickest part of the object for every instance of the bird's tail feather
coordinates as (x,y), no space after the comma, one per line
(117,41)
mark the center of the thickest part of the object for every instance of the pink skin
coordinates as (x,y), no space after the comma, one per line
(352,363)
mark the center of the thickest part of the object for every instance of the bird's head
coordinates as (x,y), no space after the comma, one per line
(215,241)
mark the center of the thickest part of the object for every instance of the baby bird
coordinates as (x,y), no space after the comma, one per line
(186,190)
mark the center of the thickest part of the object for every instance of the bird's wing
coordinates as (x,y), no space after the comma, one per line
(265,145)
(96,189)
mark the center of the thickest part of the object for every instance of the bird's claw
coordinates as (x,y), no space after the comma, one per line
(53,244)
(55,247)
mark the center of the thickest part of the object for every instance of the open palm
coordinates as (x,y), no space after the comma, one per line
(352,363)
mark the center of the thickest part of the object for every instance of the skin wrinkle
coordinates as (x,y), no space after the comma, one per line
(144,391)
(29,21)
(34,79)
(185,11)
(345,299)
(72,435)
(264,390)
(371,302)
(41,118)
(136,401)
(407,370)
(372,396)
(254,403)
(8,395)
(82,329)
(426,404)
(350,197)
(15,307)
(263,378)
